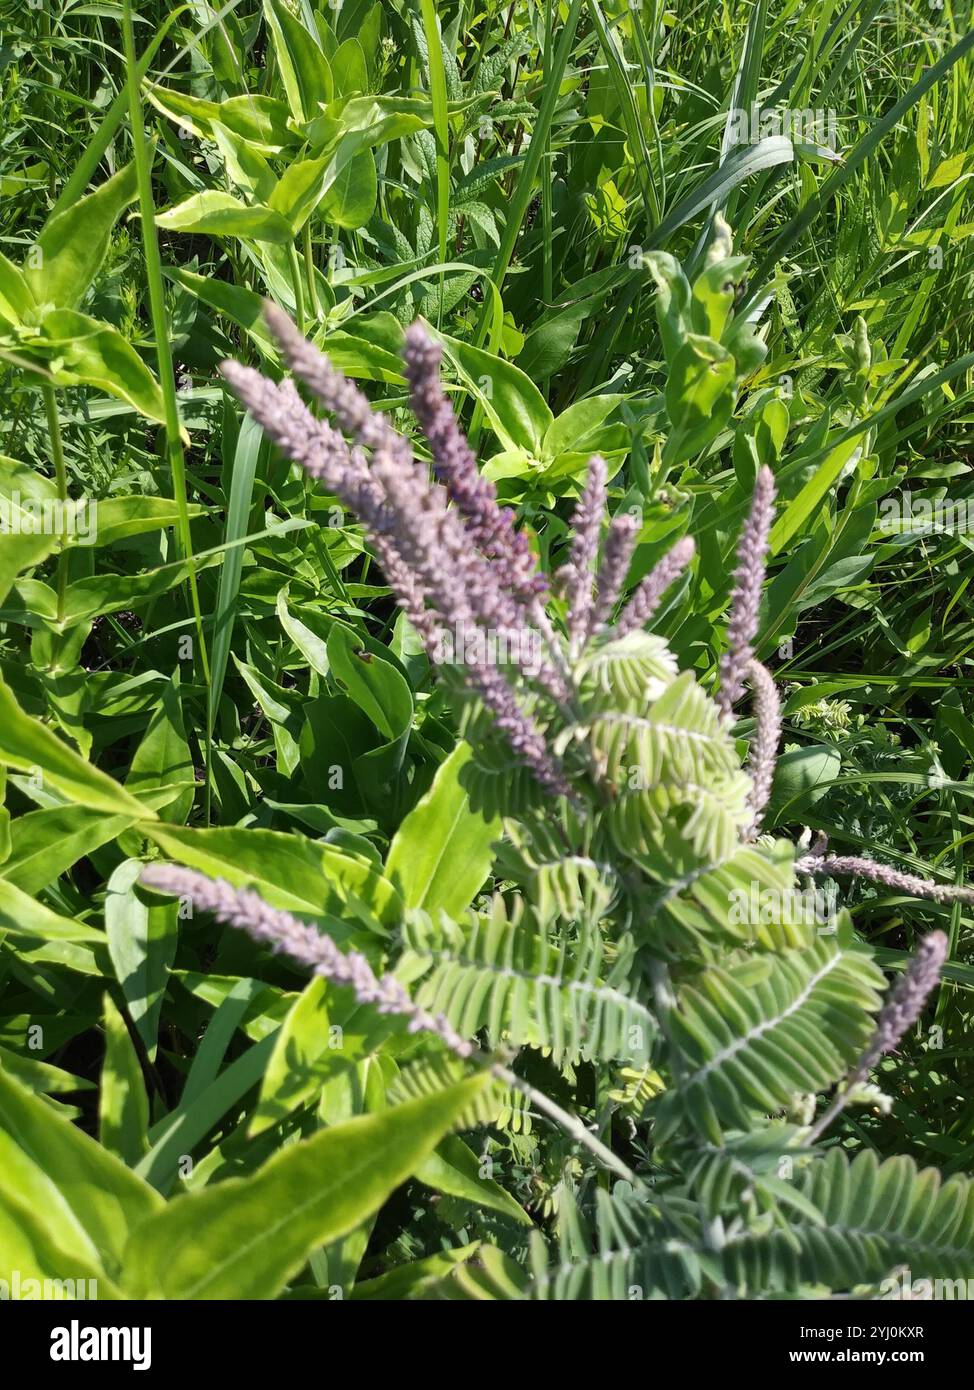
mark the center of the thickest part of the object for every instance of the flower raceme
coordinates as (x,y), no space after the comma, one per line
(287,934)
(458,566)
(450,551)
(470,583)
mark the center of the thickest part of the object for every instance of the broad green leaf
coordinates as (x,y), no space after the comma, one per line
(350,200)
(673,298)
(441,1275)
(164,759)
(547,347)
(246,1238)
(454,1168)
(357,357)
(578,428)
(40,1077)
(260,120)
(312,647)
(16,300)
(85,351)
(72,243)
(802,776)
(303,66)
(23,916)
(442,852)
(19,553)
(326,1031)
(290,871)
(29,746)
(117,518)
(108,593)
(516,409)
(292,1076)
(221,214)
(38,1243)
(699,396)
(4,817)
(301,189)
(123,1107)
(69,1171)
(44,844)
(375,685)
(142,943)
(376,119)
(713,295)
(382,693)
(349,68)
(242,306)
(248,170)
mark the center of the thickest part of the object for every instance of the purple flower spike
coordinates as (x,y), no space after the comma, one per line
(901,1010)
(432,553)
(491,526)
(763,753)
(646,599)
(578,574)
(905,1004)
(742,626)
(616,557)
(283,932)
(856,867)
(341,397)
(288,423)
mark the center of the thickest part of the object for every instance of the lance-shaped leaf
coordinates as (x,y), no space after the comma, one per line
(26,743)
(72,244)
(260,120)
(85,351)
(304,68)
(16,300)
(84,1197)
(247,1238)
(221,214)
(441,854)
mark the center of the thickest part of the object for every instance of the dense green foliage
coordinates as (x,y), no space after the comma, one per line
(201,661)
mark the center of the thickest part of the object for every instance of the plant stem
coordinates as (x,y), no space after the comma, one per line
(292,257)
(529,171)
(547,270)
(314,306)
(85,168)
(441,130)
(61,477)
(571,1124)
(160,326)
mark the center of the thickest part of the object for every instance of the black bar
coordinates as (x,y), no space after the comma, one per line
(730,1337)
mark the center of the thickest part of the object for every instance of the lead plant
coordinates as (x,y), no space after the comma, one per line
(707,1057)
